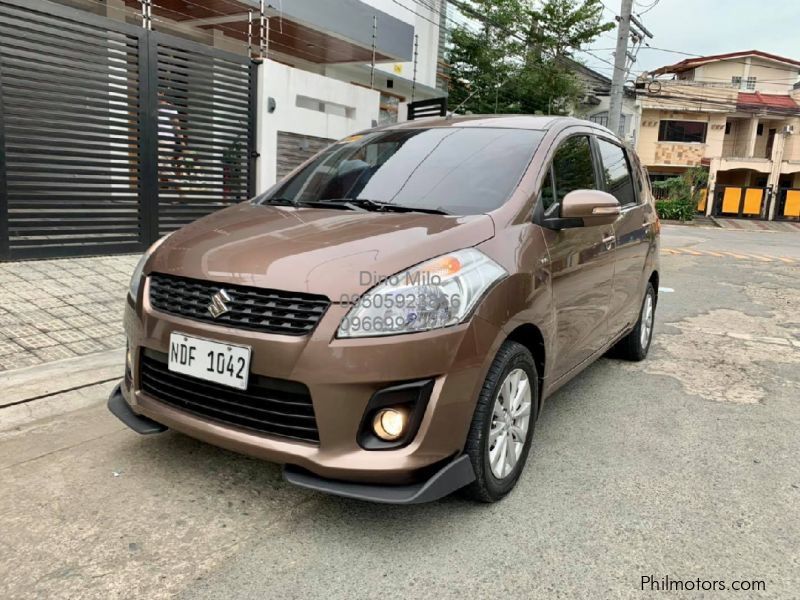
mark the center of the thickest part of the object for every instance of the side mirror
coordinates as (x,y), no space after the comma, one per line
(586,208)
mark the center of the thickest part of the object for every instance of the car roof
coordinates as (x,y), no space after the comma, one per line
(542,123)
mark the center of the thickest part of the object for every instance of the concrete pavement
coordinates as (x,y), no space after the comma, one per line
(684,466)
(52,310)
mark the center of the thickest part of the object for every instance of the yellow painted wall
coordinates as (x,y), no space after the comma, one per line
(770,77)
(652,152)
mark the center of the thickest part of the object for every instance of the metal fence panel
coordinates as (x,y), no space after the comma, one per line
(112,135)
(70,132)
(204,133)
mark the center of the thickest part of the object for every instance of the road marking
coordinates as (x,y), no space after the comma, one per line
(724,254)
(739,256)
(666,289)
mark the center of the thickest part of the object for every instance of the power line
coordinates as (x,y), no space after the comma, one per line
(591,51)
(648,8)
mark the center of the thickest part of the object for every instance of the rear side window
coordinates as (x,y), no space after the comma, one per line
(617,172)
(572,167)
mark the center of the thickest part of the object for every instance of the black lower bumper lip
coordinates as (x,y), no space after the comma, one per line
(120,409)
(452,476)
(448,479)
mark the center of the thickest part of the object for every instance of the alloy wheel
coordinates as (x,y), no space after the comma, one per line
(647,321)
(510,420)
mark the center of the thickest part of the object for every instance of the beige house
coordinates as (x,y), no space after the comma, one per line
(736,114)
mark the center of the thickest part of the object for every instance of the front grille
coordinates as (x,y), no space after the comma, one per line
(273,311)
(272,406)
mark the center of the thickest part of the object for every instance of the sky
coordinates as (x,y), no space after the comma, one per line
(703,27)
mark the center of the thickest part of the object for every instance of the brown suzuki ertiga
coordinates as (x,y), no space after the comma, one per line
(387,320)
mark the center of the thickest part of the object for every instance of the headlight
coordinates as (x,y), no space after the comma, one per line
(136,278)
(437,293)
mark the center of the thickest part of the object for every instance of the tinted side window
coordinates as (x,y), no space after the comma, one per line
(616,172)
(573,167)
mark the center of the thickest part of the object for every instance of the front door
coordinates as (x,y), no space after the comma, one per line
(632,234)
(581,261)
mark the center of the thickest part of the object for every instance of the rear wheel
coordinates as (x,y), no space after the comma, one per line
(502,428)
(636,344)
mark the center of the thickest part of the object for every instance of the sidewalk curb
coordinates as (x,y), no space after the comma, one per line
(55,388)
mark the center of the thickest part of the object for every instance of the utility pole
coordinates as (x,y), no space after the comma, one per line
(620,72)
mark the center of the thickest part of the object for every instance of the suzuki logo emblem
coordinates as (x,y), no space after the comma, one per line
(218,306)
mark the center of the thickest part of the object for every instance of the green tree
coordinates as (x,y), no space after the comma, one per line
(506,58)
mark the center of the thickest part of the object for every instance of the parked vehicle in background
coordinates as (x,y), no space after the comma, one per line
(388,319)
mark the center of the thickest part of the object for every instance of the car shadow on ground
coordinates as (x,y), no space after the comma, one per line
(179,459)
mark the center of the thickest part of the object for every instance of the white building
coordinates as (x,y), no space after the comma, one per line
(136,117)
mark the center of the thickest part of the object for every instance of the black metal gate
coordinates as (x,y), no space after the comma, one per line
(112,135)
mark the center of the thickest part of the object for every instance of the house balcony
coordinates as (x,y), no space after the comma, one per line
(307,34)
(731,163)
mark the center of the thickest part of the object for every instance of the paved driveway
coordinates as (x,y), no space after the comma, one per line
(684,466)
(56,309)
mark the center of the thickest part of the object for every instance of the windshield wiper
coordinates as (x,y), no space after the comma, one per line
(378,206)
(280,201)
(353,204)
(311,203)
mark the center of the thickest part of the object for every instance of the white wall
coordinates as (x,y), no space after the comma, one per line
(426,26)
(350,108)
(629,110)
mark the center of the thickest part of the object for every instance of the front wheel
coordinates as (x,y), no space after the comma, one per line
(500,436)
(636,344)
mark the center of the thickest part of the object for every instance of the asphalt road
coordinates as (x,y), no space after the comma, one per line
(685,465)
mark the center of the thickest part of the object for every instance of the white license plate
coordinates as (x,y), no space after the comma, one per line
(218,362)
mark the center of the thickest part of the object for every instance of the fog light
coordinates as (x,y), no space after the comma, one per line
(389,424)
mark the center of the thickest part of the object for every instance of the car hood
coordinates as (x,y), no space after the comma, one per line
(323,251)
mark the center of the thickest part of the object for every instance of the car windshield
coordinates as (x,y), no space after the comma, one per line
(453,170)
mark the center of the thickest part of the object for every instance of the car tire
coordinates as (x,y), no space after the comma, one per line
(636,344)
(490,424)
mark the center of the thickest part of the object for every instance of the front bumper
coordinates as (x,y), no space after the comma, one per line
(341,376)
(446,480)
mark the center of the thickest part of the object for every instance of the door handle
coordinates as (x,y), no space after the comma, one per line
(609,241)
